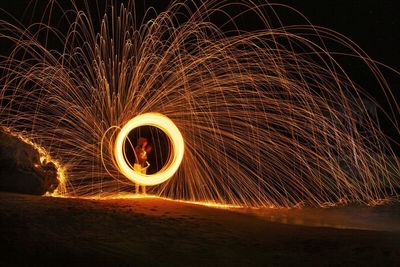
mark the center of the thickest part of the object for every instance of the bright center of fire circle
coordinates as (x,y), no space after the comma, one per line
(176,154)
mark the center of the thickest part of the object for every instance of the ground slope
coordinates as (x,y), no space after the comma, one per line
(151,232)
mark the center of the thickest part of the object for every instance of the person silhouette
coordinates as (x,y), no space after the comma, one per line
(142,149)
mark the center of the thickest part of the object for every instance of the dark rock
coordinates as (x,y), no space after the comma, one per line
(21,170)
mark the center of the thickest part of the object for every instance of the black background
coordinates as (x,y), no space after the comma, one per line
(373,25)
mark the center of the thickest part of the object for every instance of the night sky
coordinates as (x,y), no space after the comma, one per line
(373,25)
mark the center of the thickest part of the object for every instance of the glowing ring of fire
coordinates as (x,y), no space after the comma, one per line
(169,128)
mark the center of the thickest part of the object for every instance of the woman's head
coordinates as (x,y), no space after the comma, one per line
(142,142)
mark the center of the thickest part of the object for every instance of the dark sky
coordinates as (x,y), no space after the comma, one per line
(373,25)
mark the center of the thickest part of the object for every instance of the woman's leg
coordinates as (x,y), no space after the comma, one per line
(143,171)
(137,186)
(137,168)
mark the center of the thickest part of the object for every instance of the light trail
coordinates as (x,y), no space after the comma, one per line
(176,154)
(269,117)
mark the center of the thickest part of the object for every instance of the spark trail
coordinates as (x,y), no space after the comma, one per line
(269,117)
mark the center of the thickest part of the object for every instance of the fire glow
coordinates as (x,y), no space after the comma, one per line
(176,154)
(255,118)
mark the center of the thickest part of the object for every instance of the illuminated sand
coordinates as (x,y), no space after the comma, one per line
(377,218)
(153,231)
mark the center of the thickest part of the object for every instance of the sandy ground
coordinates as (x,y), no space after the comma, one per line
(385,217)
(156,232)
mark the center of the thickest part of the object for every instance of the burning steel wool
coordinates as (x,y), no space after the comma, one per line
(265,117)
(175,159)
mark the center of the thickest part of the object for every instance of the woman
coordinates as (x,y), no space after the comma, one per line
(141,150)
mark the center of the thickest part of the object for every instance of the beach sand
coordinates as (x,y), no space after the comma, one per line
(156,232)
